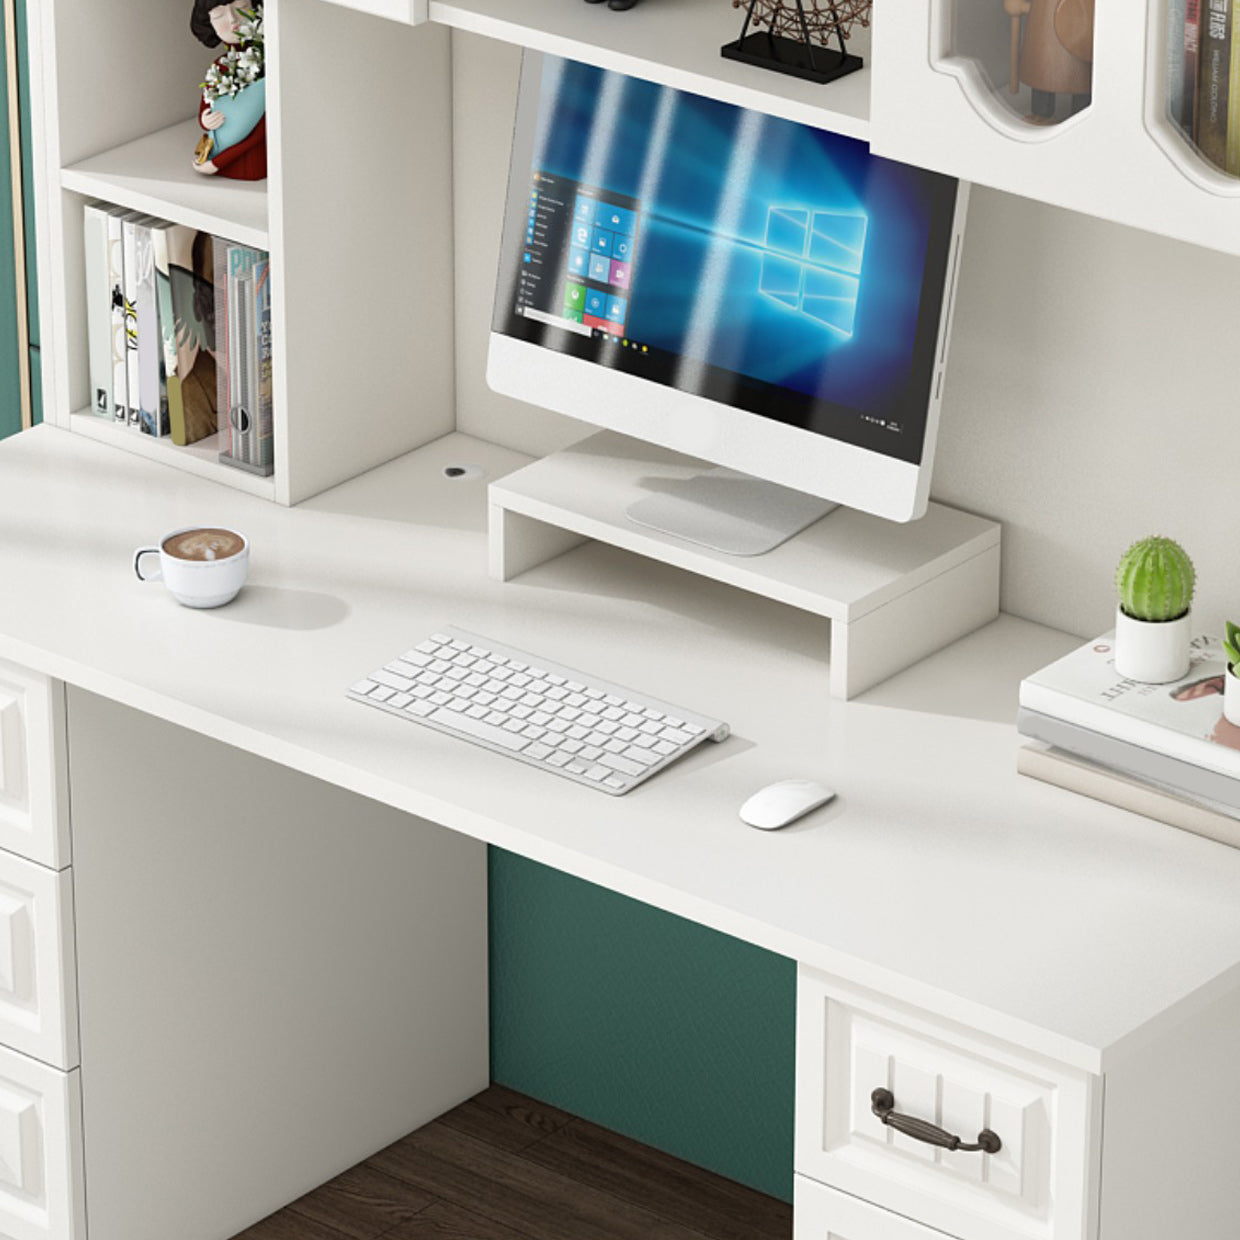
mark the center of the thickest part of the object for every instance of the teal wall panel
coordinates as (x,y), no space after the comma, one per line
(645,1023)
(32,283)
(10,383)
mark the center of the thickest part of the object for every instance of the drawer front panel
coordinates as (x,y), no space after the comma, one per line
(1041,1182)
(820,1213)
(38,992)
(33,772)
(41,1194)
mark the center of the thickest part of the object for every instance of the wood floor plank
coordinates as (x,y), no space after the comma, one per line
(676,1190)
(447,1222)
(362,1203)
(503,1117)
(517,1193)
(285,1225)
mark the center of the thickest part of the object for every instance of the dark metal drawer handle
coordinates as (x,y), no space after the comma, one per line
(882,1103)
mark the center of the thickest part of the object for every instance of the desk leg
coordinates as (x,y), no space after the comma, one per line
(276,977)
(516,543)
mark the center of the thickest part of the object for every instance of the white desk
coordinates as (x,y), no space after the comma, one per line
(939,885)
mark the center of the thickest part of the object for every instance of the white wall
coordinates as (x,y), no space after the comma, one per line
(1091,393)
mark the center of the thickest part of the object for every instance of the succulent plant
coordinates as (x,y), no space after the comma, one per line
(1231,646)
(1155,579)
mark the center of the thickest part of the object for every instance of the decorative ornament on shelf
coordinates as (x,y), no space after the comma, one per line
(1053,55)
(797,34)
(1231,681)
(1155,580)
(232,108)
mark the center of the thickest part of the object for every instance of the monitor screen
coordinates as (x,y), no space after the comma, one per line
(759,264)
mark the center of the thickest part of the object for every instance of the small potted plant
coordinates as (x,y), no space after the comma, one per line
(1155,579)
(1231,682)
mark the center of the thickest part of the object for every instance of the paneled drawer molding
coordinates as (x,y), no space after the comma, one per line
(38,997)
(820,1213)
(1040,1184)
(40,1151)
(34,821)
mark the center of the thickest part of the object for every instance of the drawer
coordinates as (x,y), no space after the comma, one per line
(41,1186)
(38,974)
(1041,1183)
(34,820)
(820,1213)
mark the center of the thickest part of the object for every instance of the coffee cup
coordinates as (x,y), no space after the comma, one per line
(202,566)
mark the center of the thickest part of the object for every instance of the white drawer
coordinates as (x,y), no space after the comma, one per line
(34,821)
(41,1188)
(820,1213)
(38,991)
(1040,1184)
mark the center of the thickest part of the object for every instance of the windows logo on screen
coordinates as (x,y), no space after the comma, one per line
(812,264)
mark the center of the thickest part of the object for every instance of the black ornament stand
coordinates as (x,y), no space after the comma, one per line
(797,58)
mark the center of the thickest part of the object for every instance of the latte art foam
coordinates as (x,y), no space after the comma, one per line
(203,545)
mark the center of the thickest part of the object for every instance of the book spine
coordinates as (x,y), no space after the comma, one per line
(265,412)
(1213,79)
(171,390)
(1108,722)
(1232,162)
(191,267)
(1192,49)
(118,346)
(133,410)
(152,389)
(98,310)
(220,273)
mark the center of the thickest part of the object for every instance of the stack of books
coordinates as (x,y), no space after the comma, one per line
(1165,751)
(179,332)
(1203,76)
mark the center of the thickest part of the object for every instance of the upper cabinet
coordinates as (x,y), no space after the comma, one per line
(1094,119)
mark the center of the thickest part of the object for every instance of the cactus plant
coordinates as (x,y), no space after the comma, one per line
(1231,647)
(1155,580)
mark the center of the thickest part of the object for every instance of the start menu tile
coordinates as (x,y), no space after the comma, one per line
(577,265)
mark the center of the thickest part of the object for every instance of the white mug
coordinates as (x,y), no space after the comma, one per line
(202,566)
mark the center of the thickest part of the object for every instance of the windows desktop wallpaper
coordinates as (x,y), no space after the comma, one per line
(736,252)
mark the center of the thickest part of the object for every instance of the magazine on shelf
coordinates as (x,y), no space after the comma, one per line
(191,266)
(119,332)
(166,321)
(246,303)
(129,232)
(98,308)
(1183,720)
(152,383)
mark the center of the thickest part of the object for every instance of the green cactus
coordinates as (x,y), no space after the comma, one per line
(1155,579)
(1231,646)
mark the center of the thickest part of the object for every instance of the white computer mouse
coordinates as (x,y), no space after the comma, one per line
(778,804)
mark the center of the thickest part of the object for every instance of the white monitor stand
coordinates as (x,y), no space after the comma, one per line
(893,593)
(729,512)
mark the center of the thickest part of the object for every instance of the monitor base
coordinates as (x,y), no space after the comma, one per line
(729,512)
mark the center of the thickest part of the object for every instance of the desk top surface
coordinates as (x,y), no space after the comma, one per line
(939,876)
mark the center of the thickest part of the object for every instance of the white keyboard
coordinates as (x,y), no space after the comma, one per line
(529,708)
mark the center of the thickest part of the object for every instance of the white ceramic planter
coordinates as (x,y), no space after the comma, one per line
(1152,651)
(1231,697)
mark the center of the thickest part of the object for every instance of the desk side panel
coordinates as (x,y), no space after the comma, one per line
(277,978)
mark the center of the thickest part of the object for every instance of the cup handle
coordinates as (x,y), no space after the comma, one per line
(137,564)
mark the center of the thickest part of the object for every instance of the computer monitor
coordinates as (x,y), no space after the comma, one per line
(744,289)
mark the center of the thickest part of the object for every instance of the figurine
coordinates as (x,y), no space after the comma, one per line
(232,108)
(1055,56)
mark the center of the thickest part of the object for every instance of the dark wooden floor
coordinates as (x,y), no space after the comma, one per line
(504,1167)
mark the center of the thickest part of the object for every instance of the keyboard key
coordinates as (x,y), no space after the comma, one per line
(674,736)
(384,677)
(618,763)
(477,712)
(592,753)
(558,758)
(642,756)
(400,699)
(381,694)
(597,773)
(362,686)
(572,746)
(612,700)
(615,746)
(420,709)
(496,717)
(408,666)
(627,734)
(539,751)
(614,781)
(479,728)
(664,748)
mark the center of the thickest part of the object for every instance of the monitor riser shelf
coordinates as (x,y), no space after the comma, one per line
(892,594)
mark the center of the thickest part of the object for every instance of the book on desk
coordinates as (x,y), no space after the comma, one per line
(1165,750)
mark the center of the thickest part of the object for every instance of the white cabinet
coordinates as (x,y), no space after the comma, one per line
(821,1213)
(859,1058)
(939,101)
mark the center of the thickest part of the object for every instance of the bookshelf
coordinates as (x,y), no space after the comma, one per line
(358,211)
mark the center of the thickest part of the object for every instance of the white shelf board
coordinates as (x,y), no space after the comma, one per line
(201,458)
(676,45)
(154,174)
